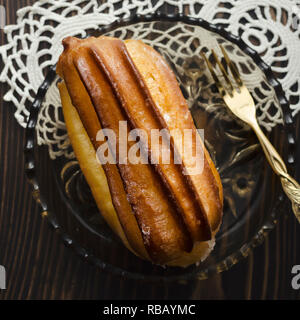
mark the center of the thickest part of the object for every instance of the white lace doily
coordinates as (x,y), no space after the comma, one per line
(271,27)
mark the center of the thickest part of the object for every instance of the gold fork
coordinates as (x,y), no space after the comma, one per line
(241,103)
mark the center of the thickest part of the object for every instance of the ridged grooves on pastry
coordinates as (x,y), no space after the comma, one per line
(141,115)
(161,244)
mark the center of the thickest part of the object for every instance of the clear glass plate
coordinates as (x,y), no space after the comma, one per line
(253,196)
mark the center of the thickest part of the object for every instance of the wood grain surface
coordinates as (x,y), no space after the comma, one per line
(39,266)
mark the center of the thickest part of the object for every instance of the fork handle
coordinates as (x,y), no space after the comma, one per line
(290,186)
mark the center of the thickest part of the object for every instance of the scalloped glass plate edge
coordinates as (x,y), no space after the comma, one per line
(228,262)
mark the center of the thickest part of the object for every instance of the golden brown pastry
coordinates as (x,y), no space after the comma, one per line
(160,211)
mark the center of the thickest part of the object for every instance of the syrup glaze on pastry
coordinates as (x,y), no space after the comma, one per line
(158,212)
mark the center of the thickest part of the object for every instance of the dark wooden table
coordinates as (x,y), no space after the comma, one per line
(39,266)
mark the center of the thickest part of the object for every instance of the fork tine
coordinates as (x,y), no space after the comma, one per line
(224,72)
(232,67)
(215,77)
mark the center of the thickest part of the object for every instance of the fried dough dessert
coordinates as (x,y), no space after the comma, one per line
(162,212)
